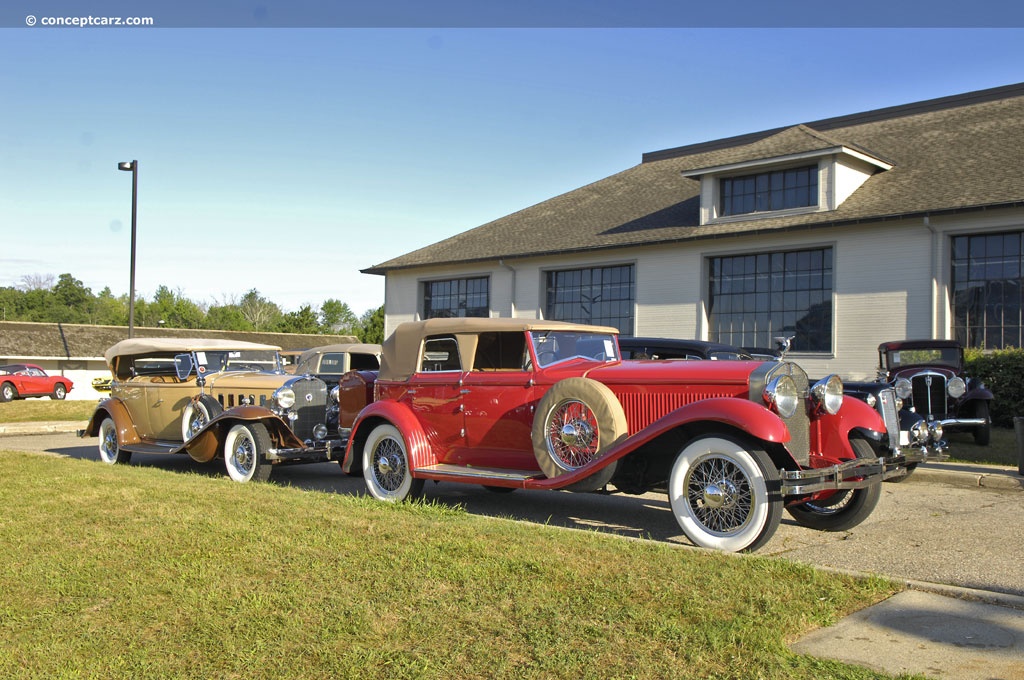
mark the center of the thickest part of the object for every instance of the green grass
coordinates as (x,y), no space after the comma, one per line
(143,573)
(1001,450)
(41,410)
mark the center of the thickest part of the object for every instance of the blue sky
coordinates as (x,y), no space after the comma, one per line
(286,160)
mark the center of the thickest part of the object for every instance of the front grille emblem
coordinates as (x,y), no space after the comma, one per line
(309,398)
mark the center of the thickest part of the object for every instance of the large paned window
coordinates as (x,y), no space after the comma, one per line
(987,281)
(767,191)
(603,296)
(756,298)
(457,298)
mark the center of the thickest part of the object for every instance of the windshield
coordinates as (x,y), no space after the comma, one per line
(946,356)
(238,360)
(552,347)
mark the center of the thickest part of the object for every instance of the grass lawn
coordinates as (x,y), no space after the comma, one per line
(46,409)
(142,573)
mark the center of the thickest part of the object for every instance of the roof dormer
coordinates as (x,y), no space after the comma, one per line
(796,171)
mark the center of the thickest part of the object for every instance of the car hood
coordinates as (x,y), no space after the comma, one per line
(647,372)
(911,371)
(247,380)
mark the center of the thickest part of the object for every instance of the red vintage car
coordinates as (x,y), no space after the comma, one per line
(510,403)
(18,381)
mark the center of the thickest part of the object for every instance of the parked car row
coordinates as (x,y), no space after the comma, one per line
(521,404)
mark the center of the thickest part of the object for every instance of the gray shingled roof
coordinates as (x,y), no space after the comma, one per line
(80,341)
(951,154)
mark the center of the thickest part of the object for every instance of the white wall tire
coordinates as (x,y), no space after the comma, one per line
(245,453)
(197,414)
(386,466)
(725,494)
(846,508)
(110,451)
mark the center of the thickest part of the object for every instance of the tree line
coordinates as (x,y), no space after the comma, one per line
(67,300)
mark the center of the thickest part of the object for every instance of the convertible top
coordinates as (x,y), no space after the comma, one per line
(400,353)
(134,346)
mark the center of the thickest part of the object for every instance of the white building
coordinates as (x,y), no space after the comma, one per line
(905,222)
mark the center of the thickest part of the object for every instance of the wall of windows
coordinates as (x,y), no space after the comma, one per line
(603,296)
(986,285)
(755,298)
(457,298)
(766,191)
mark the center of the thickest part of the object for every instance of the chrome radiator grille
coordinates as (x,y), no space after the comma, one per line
(929,394)
(310,405)
(887,407)
(799,423)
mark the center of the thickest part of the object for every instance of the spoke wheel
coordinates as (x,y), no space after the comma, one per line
(724,494)
(578,419)
(197,414)
(844,509)
(386,466)
(110,452)
(245,453)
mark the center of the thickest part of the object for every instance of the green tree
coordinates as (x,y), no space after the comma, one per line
(108,310)
(371,326)
(258,311)
(226,318)
(302,321)
(173,309)
(337,318)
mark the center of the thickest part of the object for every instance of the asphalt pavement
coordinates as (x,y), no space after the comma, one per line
(934,629)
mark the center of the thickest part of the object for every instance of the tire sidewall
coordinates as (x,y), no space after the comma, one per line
(766,507)
(206,405)
(8,392)
(256,434)
(105,456)
(859,507)
(408,487)
(59,391)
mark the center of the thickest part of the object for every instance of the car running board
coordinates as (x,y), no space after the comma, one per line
(443,471)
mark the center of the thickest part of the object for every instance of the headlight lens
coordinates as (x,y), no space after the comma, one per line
(782,395)
(956,388)
(903,388)
(828,394)
(285,397)
(335,392)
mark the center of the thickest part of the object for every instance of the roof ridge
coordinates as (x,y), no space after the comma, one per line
(873,115)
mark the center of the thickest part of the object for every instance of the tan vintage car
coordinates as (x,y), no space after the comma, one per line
(214,398)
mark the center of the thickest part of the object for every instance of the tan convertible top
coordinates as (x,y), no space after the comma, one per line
(134,346)
(401,351)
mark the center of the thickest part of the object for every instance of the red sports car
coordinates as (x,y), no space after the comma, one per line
(18,381)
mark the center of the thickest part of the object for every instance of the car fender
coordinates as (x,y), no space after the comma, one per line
(116,410)
(980,393)
(833,431)
(208,441)
(399,415)
(740,414)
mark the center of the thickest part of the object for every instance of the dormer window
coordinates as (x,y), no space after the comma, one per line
(793,172)
(767,191)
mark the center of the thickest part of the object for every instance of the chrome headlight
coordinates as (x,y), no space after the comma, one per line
(920,434)
(935,428)
(903,388)
(782,396)
(284,397)
(336,394)
(956,388)
(827,394)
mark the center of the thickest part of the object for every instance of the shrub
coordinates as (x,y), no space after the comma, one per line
(1001,371)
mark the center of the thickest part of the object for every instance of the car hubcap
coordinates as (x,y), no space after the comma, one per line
(719,495)
(389,465)
(243,456)
(573,434)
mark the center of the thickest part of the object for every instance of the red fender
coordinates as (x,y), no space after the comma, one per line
(832,432)
(399,415)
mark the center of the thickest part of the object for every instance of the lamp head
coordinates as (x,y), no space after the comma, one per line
(126,166)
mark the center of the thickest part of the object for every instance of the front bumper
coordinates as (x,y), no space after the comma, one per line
(327,450)
(853,474)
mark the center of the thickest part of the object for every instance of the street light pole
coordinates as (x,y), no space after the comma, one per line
(134,168)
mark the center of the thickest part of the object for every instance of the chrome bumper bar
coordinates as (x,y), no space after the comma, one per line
(853,474)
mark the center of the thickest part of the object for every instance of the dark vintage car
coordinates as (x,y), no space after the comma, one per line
(213,398)
(510,403)
(19,381)
(929,376)
(672,348)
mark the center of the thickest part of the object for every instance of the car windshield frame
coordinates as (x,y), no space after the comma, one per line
(949,357)
(225,360)
(552,347)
